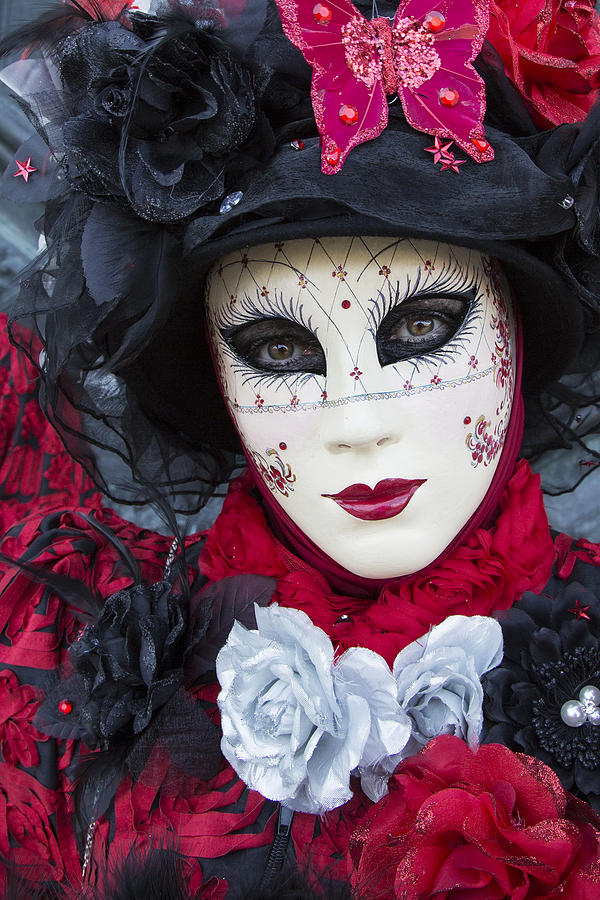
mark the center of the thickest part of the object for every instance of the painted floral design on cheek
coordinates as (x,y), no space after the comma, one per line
(276,473)
(485,442)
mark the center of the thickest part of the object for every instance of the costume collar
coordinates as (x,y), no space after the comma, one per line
(489,571)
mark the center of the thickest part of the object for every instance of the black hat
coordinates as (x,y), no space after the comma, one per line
(177,137)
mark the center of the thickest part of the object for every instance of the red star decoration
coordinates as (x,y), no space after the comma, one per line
(579,611)
(453,164)
(440,154)
(25,169)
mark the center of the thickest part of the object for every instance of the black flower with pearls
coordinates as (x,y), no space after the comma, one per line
(544,698)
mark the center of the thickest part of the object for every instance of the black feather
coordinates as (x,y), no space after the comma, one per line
(51,28)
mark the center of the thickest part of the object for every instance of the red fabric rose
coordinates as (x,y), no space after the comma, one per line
(552,54)
(240,543)
(18,737)
(491,824)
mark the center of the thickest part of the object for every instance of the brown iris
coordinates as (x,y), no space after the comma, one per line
(281,350)
(418,326)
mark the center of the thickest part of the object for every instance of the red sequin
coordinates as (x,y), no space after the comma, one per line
(448,96)
(322,14)
(346,304)
(348,114)
(65,707)
(480,144)
(333,157)
(434,22)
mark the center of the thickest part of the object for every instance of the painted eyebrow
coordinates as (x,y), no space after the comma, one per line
(453,280)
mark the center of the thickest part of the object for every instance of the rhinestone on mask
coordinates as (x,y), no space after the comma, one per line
(434,22)
(348,114)
(230,201)
(567,202)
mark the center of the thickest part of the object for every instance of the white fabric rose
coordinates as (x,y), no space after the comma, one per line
(296,724)
(439,678)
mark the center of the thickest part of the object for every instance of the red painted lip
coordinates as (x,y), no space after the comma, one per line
(388,498)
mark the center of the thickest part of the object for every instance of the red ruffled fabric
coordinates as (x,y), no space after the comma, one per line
(488,572)
(36,472)
(491,824)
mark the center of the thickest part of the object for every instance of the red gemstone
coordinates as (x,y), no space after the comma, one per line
(348,114)
(480,144)
(333,157)
(297,145)
(448,96)
(467,420)
(434,22)
(322,14)
(345,304)
(65,707)
(283,445)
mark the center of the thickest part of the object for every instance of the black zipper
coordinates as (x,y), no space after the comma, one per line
(278,849)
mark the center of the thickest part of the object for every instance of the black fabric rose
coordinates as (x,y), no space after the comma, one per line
(162,114)
(551,652)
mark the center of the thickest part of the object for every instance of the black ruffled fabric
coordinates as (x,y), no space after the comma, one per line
(551,651)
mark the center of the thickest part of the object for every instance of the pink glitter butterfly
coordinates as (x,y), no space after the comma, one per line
(424,56)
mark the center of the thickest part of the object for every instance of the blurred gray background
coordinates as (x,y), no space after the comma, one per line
(578,513)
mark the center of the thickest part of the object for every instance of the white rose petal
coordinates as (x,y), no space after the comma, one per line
(295,724)
(439,678)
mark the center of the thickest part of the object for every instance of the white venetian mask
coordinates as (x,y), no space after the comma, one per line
(371,382)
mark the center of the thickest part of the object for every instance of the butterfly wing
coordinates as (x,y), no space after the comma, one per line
(348,109)
(457,44)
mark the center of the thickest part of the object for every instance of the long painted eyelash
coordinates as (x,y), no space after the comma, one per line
(448,352)
(249,309)
(452,280)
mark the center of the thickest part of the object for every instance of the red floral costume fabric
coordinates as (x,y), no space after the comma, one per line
(222,828)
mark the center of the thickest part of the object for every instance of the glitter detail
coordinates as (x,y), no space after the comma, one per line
(434,22)
(65,707)
(402,54)
(408,391)
(25,169)
(440,151)
(448,97)
(230,201)
(579,611)
(346,304)
(322,14)
(348,114)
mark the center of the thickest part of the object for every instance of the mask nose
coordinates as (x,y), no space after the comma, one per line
(357,426)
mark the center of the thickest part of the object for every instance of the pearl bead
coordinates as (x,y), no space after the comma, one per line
(590,694)
(573,713)
(593,716)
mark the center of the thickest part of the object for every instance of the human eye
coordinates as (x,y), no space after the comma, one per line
(277,345)
(420,326)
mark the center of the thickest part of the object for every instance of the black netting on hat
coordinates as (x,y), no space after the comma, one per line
(160,120)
